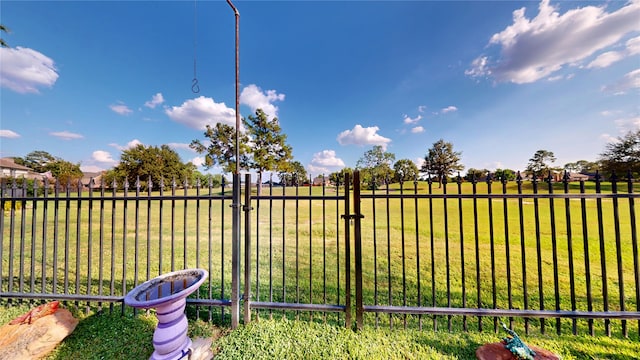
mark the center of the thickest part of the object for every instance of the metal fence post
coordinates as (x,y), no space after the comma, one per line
(358,251)
(347,251)
(235,254)
(235,262)
(247,247)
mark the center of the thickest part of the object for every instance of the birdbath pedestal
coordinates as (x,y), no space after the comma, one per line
(167,293)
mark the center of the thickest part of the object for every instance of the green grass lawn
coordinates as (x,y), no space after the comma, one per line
(116,336)
(416,251)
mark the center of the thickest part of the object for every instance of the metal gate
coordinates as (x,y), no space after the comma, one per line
(297,251)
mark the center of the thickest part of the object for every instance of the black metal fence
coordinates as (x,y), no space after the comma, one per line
(462,256)
(466,254)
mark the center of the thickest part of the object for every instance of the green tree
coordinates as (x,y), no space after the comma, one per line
(442,161)
(588,167)
(507,174)
(65,172)
(405,170)
(623,155)
(477,174)
(262,146)
(36,160)
(269,149)
(152,161)
(540,164)
(294,175)
(375,166)
(337,177)
(216,179)
(581,166)
(221,147)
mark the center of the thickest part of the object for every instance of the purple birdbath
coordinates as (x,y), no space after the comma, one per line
(167,293)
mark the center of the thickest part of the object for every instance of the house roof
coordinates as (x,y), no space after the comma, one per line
(96,176)
(8,163)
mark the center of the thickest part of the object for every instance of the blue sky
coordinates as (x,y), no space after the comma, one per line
(498,79)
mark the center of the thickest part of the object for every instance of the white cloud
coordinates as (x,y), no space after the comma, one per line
(419,162)
(363,136)
(417,130)
(66,135)
(325,162)
(479,67)
(131,144)
(327,158)
(449,109)
(422,108)
(408,120)
(255,98)
(609,112)
(102,156)
(156,100)
(532,49)
(121,109)
(631,80)
(198,161)
(633,46)
(24,70)
(9,134)
(609,138)
(91,169)
(314,170)
(202,111)
(606,59)
(493,166)
(555,78)
(625,125)
(181,146)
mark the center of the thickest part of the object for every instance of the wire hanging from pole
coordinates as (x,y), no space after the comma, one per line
(195,88)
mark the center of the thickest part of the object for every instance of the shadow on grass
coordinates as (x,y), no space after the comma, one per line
(109,336)
(106,335)
(459,345)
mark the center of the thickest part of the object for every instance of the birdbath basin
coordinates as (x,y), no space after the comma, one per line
(167,293)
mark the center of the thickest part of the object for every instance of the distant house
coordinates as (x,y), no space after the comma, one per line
(321,181)
(9,169)
(579,177)
(95,176)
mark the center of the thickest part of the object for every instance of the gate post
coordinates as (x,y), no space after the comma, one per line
(347,251)
(247,248)
(358,251)
(235,253)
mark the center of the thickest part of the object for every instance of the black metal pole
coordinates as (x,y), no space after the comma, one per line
(235,261)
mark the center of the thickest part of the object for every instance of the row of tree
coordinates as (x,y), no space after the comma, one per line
(263,148)
(377,166)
